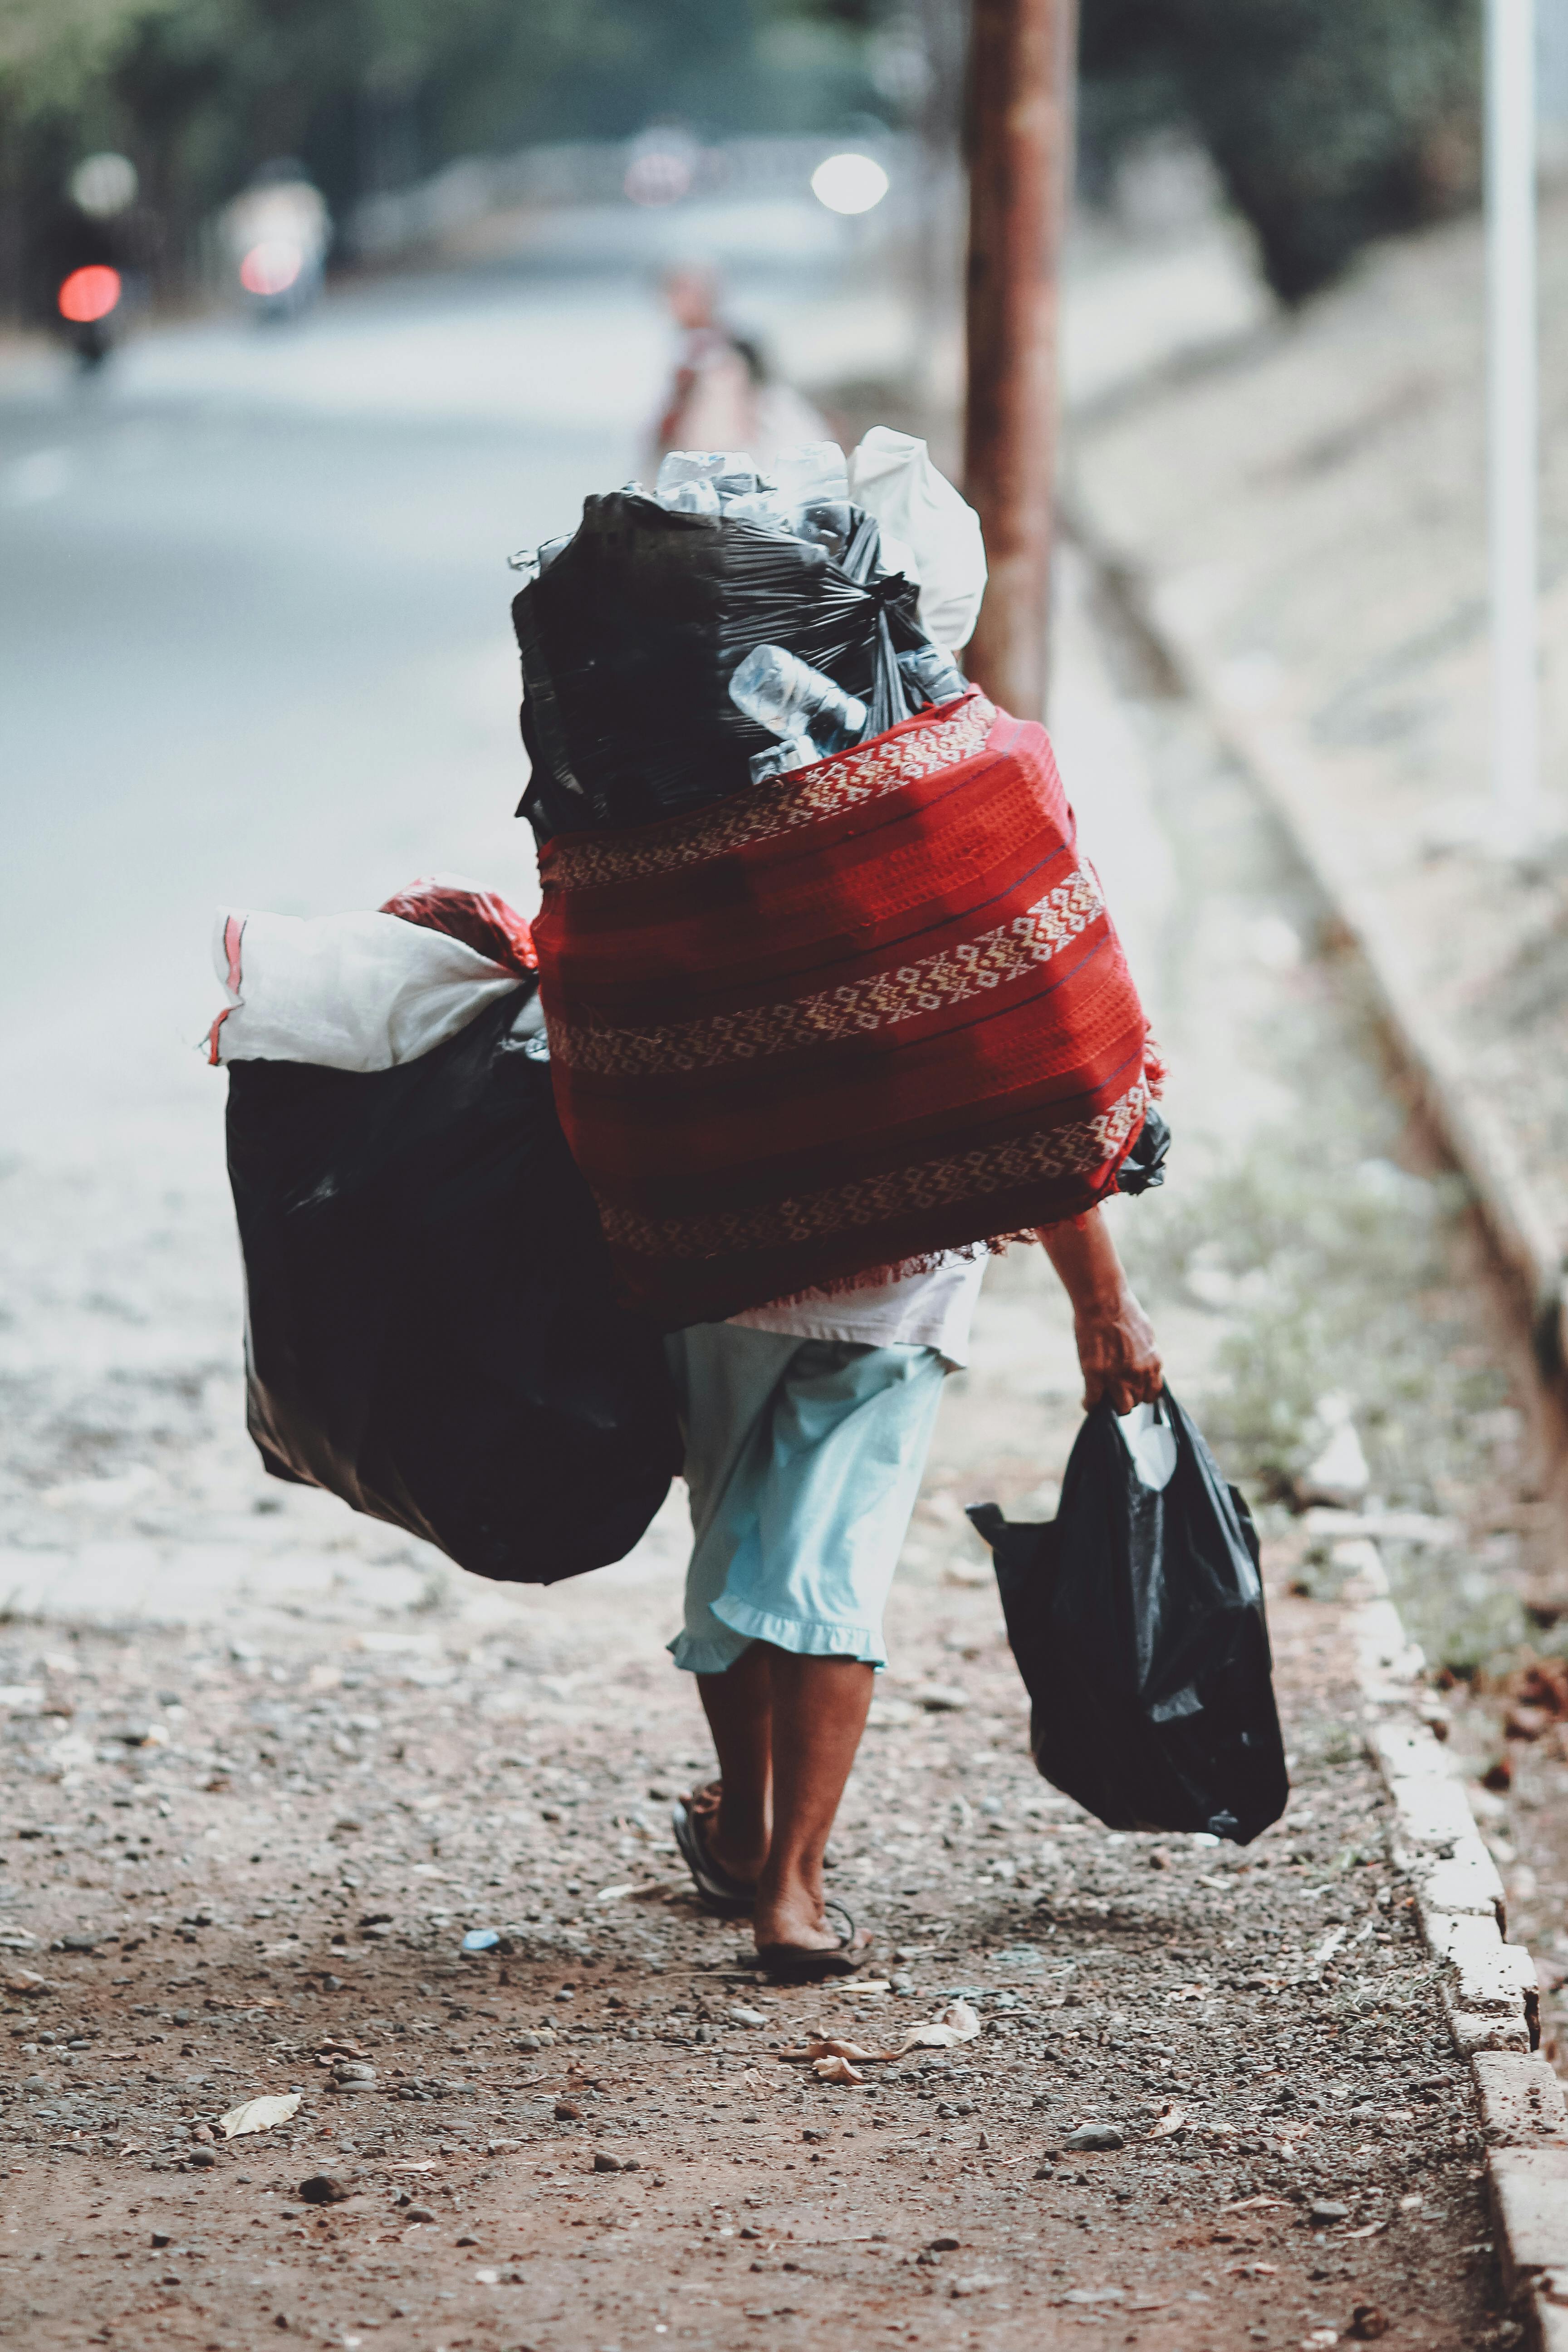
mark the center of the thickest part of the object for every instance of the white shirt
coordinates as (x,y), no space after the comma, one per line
(914,1310)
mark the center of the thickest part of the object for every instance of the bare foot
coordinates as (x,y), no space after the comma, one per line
(794,1916)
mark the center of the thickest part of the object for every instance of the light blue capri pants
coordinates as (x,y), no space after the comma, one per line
(803,1458)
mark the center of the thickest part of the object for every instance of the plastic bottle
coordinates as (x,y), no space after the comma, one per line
(790,699)
(794,751)
(531,561)
(934,675)
(813,489)
(730,474)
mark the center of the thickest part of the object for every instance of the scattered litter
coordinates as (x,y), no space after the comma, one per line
(258,2114)
(1173,2120)
(423,2164)
(617,1894)
(481,1939)
(1095,2295)
(1368,2229)
(835,2070)
(1253,2204)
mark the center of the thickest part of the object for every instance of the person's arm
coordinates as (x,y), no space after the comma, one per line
(1115,1338)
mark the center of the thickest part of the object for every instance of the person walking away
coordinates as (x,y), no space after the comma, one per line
(808,1428)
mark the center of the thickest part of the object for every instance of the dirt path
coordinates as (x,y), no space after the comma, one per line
(294,1870)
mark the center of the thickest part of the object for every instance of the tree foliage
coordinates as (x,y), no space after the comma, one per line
(373,92)
(1331,121)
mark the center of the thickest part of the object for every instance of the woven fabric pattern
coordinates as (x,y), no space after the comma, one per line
(846,1021)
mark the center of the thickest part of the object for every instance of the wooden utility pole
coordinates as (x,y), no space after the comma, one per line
(1021,69)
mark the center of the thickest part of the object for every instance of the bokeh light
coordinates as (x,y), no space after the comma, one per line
(849,184)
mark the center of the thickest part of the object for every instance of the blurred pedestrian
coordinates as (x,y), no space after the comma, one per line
(722,393)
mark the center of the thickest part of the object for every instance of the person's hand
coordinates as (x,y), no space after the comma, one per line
(1117,1353)
(1115,1338)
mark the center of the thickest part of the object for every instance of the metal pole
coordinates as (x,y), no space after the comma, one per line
(1513,423)
(1021,73)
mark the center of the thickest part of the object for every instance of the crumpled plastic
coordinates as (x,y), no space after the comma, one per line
(929,533)
(1137,1620)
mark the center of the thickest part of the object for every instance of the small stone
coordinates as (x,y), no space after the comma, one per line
(565,2113)
(203,2156)
(1323,2212)
(810,2132)
(325,2188)
(1103,2135)
(748,2016)
(420,2213)
(1368,2322)
(161,2238)
(604,2162)
(942,1698)
(1158,1858)
(1045,2172)
(942,2245)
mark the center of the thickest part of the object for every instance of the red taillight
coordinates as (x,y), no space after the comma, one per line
(271,267)
(89,295)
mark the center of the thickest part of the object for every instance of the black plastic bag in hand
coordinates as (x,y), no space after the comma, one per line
(1136,1617)
(430,1330)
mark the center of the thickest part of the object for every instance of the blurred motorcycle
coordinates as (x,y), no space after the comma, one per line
(87,257)
(276,236)
(88,303)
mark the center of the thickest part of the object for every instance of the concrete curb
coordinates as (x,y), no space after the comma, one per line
(1470,1131)
(1489,1985)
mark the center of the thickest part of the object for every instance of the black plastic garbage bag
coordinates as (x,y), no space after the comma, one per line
(430,1330)
(1136,1617)
(632,632)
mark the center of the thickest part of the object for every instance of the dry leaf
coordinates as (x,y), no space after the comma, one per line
(830,2046)
(1369,2230)
(1254,2204)
(958,2022)
(426,2165)
(258,2114)
(617,1894)
(1173,2120)
(835,2070)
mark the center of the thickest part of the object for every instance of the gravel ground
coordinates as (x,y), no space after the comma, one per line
(276,1870)
(270,1764)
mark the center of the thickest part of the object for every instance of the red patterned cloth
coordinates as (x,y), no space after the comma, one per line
(842,1022)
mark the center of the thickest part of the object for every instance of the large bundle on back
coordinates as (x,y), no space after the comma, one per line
(829,1008)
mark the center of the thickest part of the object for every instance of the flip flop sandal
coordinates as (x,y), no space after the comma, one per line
(727,1898)
(798,1964)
